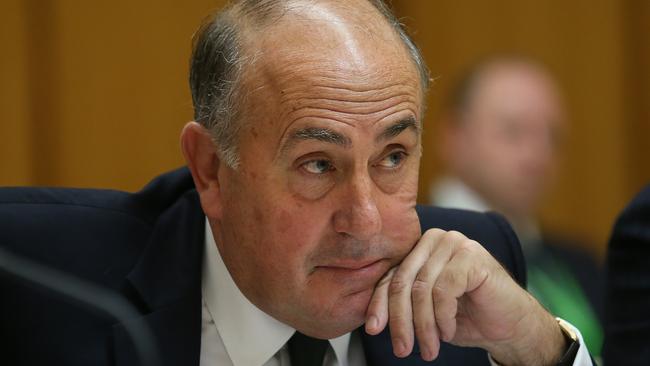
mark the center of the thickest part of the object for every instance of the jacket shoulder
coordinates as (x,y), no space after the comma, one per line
(489,229)
(144,205)
(94,233)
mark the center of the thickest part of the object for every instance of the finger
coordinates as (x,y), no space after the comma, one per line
(377,313)
(451,284)
(426,330)
(424,322)
(400,318)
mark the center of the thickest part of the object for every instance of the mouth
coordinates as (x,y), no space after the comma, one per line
(350,265)
(355,273)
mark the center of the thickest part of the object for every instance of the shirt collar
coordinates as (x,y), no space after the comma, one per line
(250,336)
(453,193)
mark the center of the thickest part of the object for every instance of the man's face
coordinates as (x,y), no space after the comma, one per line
(510,137)
(323,202)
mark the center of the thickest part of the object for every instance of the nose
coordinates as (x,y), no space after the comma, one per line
(358,214)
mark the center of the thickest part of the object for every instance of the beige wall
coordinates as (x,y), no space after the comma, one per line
(15,130)
(94,93)
(97,90)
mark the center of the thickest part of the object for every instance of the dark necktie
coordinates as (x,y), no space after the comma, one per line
(307,351)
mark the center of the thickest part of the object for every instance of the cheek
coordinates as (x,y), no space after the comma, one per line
(402,228)
(289,229)
(310,188)
(400,222)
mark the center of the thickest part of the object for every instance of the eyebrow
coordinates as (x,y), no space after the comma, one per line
(397,128)
(316,133)
(333,137)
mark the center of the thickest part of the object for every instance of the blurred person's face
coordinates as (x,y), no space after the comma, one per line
(506,143)
(323,202)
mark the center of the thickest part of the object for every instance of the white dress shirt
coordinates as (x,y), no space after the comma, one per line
(234,332)
(452,193)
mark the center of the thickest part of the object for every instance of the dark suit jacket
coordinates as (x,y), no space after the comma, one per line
(147,247)
(627,304)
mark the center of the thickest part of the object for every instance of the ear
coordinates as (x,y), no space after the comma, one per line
(201,157)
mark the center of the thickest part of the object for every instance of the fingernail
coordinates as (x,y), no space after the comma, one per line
(373,323)
(400,348)
(425,354)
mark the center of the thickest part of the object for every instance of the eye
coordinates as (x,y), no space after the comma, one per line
(318,166)
(393,160)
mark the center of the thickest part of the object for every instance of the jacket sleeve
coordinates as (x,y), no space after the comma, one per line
(627,325)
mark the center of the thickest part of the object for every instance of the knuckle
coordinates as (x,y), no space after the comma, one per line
(443,313)
(439,292)
(464,250)
(424,327)
(397,322)
(469,245)
(397,286)
(450,279)
(434,233)
(420,289)
(454,236)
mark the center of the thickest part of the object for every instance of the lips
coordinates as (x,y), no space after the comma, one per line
(351,265)
(354,275)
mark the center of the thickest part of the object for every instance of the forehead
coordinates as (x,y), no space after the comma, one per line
(321,58)
(518,90)
(359,44)
(518,81)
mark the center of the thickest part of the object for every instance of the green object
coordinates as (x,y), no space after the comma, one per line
(555,287)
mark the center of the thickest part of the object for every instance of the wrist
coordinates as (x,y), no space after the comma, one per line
(538,340)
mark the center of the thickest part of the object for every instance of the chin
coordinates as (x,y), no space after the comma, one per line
(335,328)
(348,314)
(338,318)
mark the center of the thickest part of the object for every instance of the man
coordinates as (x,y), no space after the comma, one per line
(501,141)
(304,161)
(627,325)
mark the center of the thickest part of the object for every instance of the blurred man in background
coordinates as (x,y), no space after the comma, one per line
(501,136)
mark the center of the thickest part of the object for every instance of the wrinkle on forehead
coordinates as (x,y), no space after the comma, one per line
(331,61)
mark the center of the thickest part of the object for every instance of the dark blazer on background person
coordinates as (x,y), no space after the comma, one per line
(627,303)
(148,247)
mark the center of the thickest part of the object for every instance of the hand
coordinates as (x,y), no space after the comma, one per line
(450,288)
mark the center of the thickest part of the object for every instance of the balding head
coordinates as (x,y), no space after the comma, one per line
(228,46)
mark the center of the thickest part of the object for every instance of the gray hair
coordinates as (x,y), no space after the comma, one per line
(218,61)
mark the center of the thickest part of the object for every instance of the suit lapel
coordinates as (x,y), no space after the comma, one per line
(379,352)
(168,280)
(177,334)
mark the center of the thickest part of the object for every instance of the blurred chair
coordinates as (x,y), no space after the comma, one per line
(500,138)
